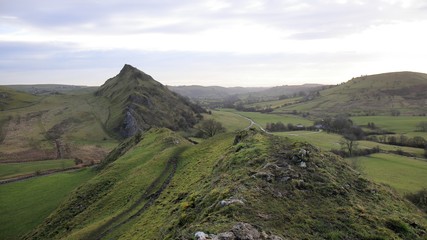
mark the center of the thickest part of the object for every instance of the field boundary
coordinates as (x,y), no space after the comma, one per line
(40,174)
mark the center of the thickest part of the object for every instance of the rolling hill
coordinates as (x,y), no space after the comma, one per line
(138,102)
(248,185)
(212,92)
(378,94)
(218,93)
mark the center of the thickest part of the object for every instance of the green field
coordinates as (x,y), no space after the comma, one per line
(229,120)
(401,125)
(25,204)
(264,118)
(402,173)
(8,170)
(329,141)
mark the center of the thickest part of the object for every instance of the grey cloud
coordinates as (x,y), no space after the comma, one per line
(327,17)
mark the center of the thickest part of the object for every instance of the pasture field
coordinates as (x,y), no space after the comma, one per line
(9,170)
(401,124)
(231,121)
(406,175)
(25,204)
(264,118)
(328,141)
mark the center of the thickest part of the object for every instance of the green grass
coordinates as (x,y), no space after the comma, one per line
(24,205)
(264,118)
(401,125)
(8,170)
(328,141)
(406,175)
(229,120)
(297,203)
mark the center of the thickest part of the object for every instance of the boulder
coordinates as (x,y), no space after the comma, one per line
(245,231)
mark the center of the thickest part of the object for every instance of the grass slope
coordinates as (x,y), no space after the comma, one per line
(25,204)
(11,99)
(379,94)
(285,191)
(29,132)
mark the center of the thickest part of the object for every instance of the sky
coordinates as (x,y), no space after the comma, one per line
(210,42)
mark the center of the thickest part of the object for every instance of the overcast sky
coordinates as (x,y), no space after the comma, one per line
(210,42)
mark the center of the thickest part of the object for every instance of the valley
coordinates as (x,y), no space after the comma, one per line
(290,162)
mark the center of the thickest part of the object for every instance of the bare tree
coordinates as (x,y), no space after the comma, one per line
(210,128)
(422,126)
(348,143)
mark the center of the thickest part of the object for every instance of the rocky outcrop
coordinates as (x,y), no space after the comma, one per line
(240,231)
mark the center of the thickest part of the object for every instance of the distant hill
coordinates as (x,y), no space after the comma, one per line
(41,89)
(287,90)
(138,102)
(245,186)
(216,92)
(212,92)
(405,92)
(12,99)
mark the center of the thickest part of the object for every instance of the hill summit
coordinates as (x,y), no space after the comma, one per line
(137,102)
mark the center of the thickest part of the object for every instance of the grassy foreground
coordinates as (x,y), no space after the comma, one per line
(25,204)
(287,189)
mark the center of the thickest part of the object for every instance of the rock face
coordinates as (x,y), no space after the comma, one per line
(240,231)
(138,102)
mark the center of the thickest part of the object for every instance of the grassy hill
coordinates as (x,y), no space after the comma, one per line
(212,92)
(57,126)
(44,89)
(378,94)
(11,99)
(137,102)
(250,185)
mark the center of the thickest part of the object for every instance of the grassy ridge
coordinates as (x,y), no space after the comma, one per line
(114,190)
(25,204)
(8,170)
(326,199)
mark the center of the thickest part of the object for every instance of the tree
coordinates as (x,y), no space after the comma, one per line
(348,143)
(422,126)
(210,127)
(395,112)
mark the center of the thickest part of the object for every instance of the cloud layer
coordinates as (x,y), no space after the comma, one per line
(249,43)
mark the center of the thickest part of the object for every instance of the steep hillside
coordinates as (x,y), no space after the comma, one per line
(245,186)
(138,102)
(375,94)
